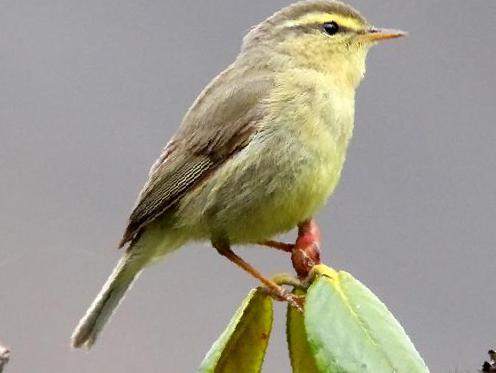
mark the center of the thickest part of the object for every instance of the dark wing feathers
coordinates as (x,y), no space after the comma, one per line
(219,124)
(163,190)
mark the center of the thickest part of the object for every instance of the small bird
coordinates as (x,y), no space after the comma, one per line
(258,153)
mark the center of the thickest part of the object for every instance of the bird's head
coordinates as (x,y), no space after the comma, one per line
(328,36)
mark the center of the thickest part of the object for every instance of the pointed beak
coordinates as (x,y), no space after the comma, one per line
(376,34)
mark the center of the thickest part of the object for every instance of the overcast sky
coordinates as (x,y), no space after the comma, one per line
(91,90)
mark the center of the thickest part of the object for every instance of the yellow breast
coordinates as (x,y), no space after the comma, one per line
(288,170)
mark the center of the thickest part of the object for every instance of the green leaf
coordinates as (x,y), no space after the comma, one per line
(350,330)
(301,357)
(241,347)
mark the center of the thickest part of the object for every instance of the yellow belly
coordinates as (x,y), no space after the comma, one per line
(263,191)
(279,200)
(284,175)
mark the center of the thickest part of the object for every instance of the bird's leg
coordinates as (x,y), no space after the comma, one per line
(306,251)
(275,290)
(287,247)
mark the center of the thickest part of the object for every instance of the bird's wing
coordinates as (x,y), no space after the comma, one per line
(220,123)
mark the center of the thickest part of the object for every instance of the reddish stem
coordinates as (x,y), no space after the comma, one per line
(306,251)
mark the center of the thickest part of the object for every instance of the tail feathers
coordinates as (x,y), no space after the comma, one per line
(106,302)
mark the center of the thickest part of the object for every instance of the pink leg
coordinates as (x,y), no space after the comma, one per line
(273,289)
(287,247)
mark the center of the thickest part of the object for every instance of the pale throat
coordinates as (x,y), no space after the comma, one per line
(347,69)
(345,72)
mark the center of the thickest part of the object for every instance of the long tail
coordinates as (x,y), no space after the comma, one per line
(112,293)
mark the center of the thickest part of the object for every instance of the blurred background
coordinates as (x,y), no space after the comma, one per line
(91,91)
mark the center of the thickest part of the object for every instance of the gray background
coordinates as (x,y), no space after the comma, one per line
(90,91)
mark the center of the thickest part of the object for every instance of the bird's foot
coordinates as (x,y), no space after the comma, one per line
(282,295)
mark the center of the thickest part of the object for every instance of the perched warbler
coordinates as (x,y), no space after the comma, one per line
(258,153)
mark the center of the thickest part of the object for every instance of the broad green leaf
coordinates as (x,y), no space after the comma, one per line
(241,347)
(350,330)
(302,360)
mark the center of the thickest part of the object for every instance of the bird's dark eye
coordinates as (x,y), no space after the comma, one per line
(331,28)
